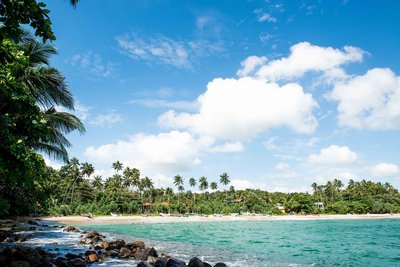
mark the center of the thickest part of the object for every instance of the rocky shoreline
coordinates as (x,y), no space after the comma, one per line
(94,249)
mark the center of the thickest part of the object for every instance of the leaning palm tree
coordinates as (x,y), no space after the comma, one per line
(47,85)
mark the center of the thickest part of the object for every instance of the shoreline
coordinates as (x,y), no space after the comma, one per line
(137,219)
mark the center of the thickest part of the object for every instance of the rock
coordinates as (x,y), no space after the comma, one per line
(160,263)
(112,253)
(195,262)
(19,264)
(206,264)
(92,234)
(32,228)
(9,240)
(61,262)
(71,229)
(97,247)
(125,251)
(175,263)
(143,264)
(151,260)
(89,252)
(118,243)
(220,264)
(136,244)
(77,263)
(104,244)
(71,256)
(151,252)
(92,258)
(32,222)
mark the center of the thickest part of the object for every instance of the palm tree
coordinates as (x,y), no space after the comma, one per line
(97,182)
(192,183)
(213,185)
(87,169)
(47,85)
(203,184)
(224,179)
(178,182)
(117,166)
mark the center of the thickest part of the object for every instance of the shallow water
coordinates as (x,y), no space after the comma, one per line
(274,243)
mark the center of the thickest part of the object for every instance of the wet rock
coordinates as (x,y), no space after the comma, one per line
(71,256)
(118,243)
(206,264)
(195,262)
(90,252)
(160,263)
(19,264)
(32,228)
(97,247)
(136,244)
(220,264)
(172,262)
(125,251)
(9,240)
(143,264)
(77,263)
(112,253)
(152,260)
(92,258)
(61,262)
(151,252)
(31,222)
(104,244)
(71,229)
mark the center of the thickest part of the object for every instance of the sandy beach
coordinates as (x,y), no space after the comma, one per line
(79,220)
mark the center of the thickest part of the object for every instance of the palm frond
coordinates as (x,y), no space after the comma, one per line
(64,121)
(39,53)
(55,152)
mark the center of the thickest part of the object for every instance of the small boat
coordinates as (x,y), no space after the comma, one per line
(217,215)
(114,214)
(87,215)
(165,214)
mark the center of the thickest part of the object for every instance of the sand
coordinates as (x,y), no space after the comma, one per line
(79,220)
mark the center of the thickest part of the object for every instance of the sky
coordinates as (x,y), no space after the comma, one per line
(278,94)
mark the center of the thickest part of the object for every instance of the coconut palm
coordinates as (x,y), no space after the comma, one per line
(97,182)
(117,166)
(87,169)
(47,85)
(213,185)
(178,182)
(224,179)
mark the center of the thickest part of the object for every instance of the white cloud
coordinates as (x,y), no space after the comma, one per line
(51,163)
(334,156)
(237,109)
(242,184)
(369,101)
(383,170)
(266,17)
(249,65)
(305,57)
(94,64)
(164,50)
(227,147)
(106,119)
(165,153)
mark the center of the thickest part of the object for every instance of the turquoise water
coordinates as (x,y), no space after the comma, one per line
(275,243)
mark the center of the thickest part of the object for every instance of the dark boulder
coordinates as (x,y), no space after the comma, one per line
(172,262)
(220,264)
(19,264)
(143,264)
(118,243)
(71,256)
(135,244)
(195,262)
(160,263)
(71,229)
(77,263)
(207,264)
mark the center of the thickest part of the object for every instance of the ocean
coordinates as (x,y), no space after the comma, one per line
(272,243)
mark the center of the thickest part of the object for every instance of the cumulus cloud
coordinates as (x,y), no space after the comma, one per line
(238,109)
(93,64)
(369,101)
(164,50)
(333,156)
(250,64)
(305,57)
(165,153)
(266,17)
(385,170)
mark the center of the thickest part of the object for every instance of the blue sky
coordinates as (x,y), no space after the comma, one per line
(279,94)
